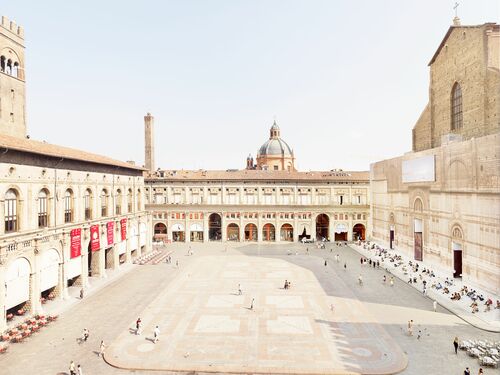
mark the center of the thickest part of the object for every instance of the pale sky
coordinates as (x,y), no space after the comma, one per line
(346,80)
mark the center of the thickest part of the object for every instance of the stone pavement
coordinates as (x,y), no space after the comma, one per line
(207,326)
(110,312)
(486,320)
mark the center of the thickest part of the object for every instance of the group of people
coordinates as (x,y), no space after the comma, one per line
(467,370)
(370,262)
(77,369)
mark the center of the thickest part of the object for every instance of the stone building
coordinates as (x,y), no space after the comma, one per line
(259,204)
(441,202)
(67,216)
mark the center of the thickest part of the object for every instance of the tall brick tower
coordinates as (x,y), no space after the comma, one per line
(12,80)
(149,144)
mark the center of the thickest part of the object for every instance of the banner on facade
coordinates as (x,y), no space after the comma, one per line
(110,228)
(95,243)
(123,227)
(75,243)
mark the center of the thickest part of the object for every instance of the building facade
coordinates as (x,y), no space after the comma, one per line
(67,216)
(441,202)
(266,202)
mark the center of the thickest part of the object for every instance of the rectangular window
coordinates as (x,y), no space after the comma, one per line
(10,207)
(68,209)
(42,212)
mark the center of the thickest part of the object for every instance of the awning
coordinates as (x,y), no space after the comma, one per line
(177,228)
(340,228)
(196,227)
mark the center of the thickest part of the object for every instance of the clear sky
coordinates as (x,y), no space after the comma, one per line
(346,80)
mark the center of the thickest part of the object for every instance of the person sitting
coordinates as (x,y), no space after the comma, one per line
(488,304)
(474,307)
(446,290)
(498,305)
(439,286)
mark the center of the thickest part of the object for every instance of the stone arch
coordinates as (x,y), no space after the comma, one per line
(49,269)
(322,226)
(233,232)
(458,174)
(268,232)
(215,227)
(17,281)
(418,205)
(251,232)
(286,232)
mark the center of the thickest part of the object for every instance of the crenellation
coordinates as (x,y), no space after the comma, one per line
(12,27)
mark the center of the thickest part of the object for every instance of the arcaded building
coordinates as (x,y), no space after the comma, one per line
(441,202)
(67,216)
(266,202)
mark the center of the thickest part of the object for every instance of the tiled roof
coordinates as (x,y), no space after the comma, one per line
(259,175)
(42,148)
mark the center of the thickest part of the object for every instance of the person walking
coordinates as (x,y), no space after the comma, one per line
(85,334)
(466,371)
(434,305)
(177,264)
(102,347)
(345,266)
(410,328)
(384,279)
(325,263)
(156,334)
(337,258)
(72,370)
(79,370)
(239,290)
(251,305)
(360,280)
(392,281)
(138,326)
(81,293)
(480,371)
(455,345)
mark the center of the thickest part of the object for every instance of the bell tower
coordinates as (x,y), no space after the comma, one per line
(12,80)
(149,143)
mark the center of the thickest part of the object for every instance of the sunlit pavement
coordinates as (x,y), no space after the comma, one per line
(198,300)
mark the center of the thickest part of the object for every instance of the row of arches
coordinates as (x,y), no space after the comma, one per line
(251,232)
(9,66)
(46,206)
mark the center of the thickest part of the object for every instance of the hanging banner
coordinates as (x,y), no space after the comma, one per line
(75,243)
(123,227)
(95,243)
(110,228)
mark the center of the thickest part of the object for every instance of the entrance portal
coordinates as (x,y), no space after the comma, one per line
(250,232)
(268,232)
(286,232)
(418,241)
(457,259)
(391,238)
(358,232)
(214,227)
(322,227)
(233,232)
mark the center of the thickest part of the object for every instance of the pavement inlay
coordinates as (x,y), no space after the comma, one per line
(207,327)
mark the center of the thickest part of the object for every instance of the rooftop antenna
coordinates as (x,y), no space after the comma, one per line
(455,7)
(456,20)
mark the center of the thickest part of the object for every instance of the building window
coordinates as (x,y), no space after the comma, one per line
(118,202)
(456,107)
(68,206)
(139,201)
(10,211)
(43,214)
(87,204)
(129,201)
(104,203)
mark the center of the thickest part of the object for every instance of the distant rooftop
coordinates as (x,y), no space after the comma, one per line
(258,175)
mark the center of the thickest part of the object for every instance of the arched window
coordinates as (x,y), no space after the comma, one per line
(10,211)
(418,206)
(87,204)
(139,200)
(15,70)
(43,211)
(2,64)
(104,203)
(129,201)
(8,70)
(118,202)
(68,206)
(456,107)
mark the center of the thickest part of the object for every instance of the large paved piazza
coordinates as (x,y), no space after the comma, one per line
(207,328)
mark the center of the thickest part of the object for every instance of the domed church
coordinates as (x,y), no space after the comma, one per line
(275,154)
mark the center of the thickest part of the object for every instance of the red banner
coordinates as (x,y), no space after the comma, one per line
(75,243)
(95,243)
(123,227)
(110,227)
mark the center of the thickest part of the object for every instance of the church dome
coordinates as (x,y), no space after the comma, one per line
(275,145)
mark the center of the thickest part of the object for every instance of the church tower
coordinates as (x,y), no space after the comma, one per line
(12,80)
(149,144)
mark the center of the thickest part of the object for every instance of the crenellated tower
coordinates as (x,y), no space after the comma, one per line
(12,80)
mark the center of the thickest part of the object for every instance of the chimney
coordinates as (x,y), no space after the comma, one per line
(149,144)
